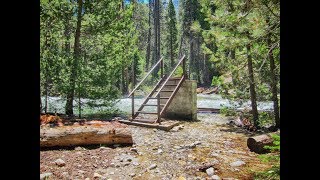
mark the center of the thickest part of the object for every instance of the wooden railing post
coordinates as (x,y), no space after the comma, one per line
(161,68)
(158,108)
(133,84)
(132,106)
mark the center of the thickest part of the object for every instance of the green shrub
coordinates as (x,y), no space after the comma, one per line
(227,111)
(216,81)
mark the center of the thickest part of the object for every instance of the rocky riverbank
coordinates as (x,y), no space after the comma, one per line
(207,149)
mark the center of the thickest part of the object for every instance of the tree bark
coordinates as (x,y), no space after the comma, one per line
(40,104)
(252,88)
(73,75)
(156,35)
(84,135)
(273,82)
(257,143)
(149,39)
(171,50)
(123,81)
(190,55)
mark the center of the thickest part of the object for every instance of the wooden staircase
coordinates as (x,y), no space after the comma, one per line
(160,97)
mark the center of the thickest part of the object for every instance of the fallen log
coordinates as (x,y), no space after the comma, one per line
(85,135)
(257,143)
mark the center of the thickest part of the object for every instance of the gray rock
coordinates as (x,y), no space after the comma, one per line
(97,175)
(116,145)
(177,128)
(215,177)
(104,148)
(65,174)
(237,163)
(87,179)
(153,166)
(160,151)
(111,173)
(135,163)
(78,148)
(214,154)
(132,174)
(134,149)
(193,145)
(210,171)
(45,175)
(81,172)
(60,162)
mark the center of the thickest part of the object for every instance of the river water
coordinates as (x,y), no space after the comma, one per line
(56,104)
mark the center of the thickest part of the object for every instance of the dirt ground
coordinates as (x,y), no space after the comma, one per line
(157,154)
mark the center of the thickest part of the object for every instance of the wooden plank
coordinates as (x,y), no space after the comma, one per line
(152,105)
(160,98)
(144,112)
(166,126)
(165,90)
(144,120)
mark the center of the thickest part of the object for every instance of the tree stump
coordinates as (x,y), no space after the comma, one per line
(257,143)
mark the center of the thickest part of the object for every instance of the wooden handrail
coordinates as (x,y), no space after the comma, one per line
(175,68)
(145,77)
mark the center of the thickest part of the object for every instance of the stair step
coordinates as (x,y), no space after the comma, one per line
(174,78)
(144,112)
(157,98)
(165,90)
(145,120)
(170,85)
(152,105)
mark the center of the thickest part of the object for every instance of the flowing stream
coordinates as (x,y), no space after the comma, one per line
(56,104)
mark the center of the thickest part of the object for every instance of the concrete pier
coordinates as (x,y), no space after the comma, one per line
(184,103)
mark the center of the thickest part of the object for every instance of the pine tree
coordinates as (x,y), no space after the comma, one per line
(171,38)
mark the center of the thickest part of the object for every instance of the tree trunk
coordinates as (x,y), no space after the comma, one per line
(126,88)
(180,47)
(46,98)
(273,82)
(252,88)
(84,135)
(156,35)
(123,81)
(40,104)
(197,61)
(233,58)
(73,75)
(149,39)
(257,143)
(171,51)
(190,56)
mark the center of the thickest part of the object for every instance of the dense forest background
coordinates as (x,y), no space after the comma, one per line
(90,49)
